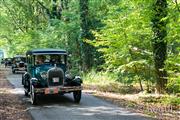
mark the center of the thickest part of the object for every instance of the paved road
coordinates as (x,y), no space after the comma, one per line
(63,107)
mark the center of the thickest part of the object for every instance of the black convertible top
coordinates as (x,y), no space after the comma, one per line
(46,51)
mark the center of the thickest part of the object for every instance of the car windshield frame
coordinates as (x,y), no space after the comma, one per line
(60,60)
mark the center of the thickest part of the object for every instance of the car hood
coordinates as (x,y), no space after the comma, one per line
(44,68)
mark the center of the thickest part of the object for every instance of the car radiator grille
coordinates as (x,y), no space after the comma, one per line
(55,77)
(21,64)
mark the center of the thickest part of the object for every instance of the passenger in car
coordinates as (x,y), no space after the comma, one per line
(40,59)
(55,59)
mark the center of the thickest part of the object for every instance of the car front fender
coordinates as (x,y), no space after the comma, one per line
(34,81)
(77,80)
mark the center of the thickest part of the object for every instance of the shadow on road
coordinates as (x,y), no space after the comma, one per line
(53,100)
(58,107)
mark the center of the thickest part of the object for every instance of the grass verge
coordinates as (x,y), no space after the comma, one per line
(105,86)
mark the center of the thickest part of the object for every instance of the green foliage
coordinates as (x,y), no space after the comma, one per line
(171,100)
(106,82)
(101,78)
(174,84)
(165,100)
(136,70)
(173,38)
(32,28)
(125,41)
(122,35)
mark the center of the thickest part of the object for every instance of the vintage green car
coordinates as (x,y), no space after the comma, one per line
(18,63)
(47,74)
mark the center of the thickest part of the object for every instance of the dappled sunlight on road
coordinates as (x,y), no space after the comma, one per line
(82,112)
(63,106)
(4,90)
(105,110)
(11,108)
(7,88)
(19,91)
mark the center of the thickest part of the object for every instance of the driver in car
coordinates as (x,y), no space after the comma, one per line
(40,59)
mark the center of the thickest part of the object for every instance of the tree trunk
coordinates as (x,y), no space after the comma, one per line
(140,83)
(86,55)
(159,44)
(57,9)
(139,80)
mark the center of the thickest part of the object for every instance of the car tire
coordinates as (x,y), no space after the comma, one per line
(22,82)
(33,96)
(77,96)
(26,93)
(13,71)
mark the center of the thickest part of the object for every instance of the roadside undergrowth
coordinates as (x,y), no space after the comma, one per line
(105,86)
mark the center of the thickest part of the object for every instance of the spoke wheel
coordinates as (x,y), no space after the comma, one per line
(13,71)
(26,88)
(25,93)
(33,96)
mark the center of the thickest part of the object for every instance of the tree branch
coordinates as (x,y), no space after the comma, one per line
(7,38)
(44,7)
(12,17)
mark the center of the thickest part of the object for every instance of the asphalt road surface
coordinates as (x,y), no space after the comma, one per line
(63,107)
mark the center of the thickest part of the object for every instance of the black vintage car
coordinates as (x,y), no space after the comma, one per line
(2,61)
(7,62)
(18,63)
(47,74)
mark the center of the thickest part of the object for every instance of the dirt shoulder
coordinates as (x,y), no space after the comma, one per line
(11,107)
(134,102)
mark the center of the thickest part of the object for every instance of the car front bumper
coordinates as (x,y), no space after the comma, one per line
(57,89)
(20,69)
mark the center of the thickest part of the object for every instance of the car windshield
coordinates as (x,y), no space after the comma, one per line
(18,59)
(49,59)
(9,59)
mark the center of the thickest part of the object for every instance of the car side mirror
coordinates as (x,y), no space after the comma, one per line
(70,55)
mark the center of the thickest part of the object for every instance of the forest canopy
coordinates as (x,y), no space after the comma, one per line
(122,37)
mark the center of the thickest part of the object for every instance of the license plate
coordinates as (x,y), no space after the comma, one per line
(47,91)
(56,90)
(51,90)
(56,79)
(22,69)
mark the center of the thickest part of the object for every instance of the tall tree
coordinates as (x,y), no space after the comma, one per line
(57,9)
(159,43)
(86,56)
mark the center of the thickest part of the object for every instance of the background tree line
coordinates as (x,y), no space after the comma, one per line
(136,40)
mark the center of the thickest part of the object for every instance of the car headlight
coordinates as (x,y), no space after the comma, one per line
(68,76)
(77,77)
(43,75)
